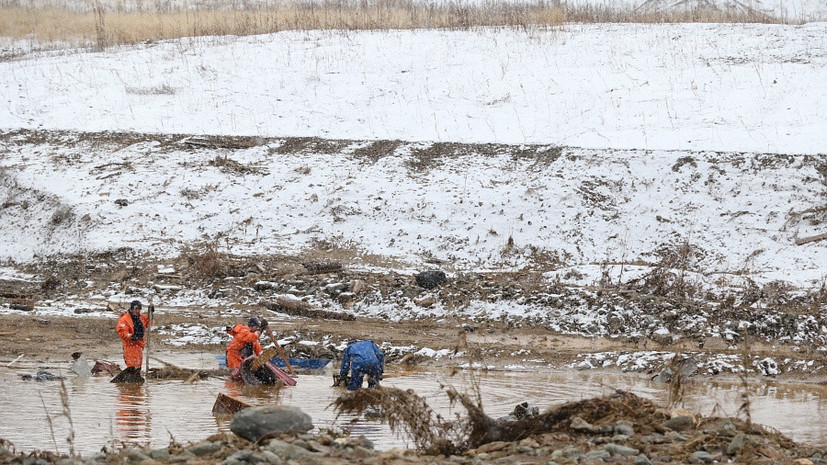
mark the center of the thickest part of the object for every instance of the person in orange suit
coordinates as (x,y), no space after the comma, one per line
(245,341)
(132,327)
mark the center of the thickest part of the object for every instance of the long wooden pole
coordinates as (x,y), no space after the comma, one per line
(146,334)
(281,351)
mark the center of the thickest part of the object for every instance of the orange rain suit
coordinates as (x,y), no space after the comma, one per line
(241,337)
(133,351)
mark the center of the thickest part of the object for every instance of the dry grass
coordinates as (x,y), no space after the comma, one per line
(607,14)
(206,262)
(404,411)
(102,25)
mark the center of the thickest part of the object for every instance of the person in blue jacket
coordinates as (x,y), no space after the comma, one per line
(363,358)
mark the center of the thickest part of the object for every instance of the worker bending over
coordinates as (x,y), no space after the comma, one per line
(362,358)
(245,341)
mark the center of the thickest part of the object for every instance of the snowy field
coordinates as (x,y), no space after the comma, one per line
(719,87)
(655,135)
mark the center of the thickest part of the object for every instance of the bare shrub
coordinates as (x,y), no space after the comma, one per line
(205,261)
(668,277)
(777,293)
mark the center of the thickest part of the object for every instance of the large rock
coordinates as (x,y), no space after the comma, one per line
(679,423)
(430,279)
(254,422)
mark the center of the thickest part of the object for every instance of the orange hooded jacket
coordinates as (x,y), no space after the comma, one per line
(241,337)
(133,354)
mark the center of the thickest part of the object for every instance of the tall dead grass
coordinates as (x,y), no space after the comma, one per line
(49,24)
(96,23)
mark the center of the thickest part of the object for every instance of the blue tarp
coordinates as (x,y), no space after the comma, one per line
(309,363)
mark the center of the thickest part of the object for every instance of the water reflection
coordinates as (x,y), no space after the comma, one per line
(154,413)
(132,417)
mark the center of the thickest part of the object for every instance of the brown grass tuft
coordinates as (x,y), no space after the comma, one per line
(404,410)
(205,261)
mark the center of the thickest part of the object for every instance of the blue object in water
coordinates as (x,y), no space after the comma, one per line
(309,363)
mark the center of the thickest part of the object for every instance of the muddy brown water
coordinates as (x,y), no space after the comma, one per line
(101,413)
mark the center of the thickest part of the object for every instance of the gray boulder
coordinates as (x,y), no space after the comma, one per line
(430,279)
(254,422)
(679,423)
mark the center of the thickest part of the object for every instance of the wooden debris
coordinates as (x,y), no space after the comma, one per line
(9,294)
(263,358)
(806,240)
(307,312)
(810,210)
(227,405)
(25,305)
(322,267)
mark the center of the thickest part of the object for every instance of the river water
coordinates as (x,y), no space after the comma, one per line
(99,413)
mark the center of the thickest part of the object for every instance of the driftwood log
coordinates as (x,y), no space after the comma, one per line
(297,307)
(806,240)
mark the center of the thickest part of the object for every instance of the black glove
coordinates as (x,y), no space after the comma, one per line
(263,324)
(135,337)
(228,328)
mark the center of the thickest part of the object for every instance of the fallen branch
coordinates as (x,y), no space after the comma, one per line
(285,306)
(809,210)
(806,240)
